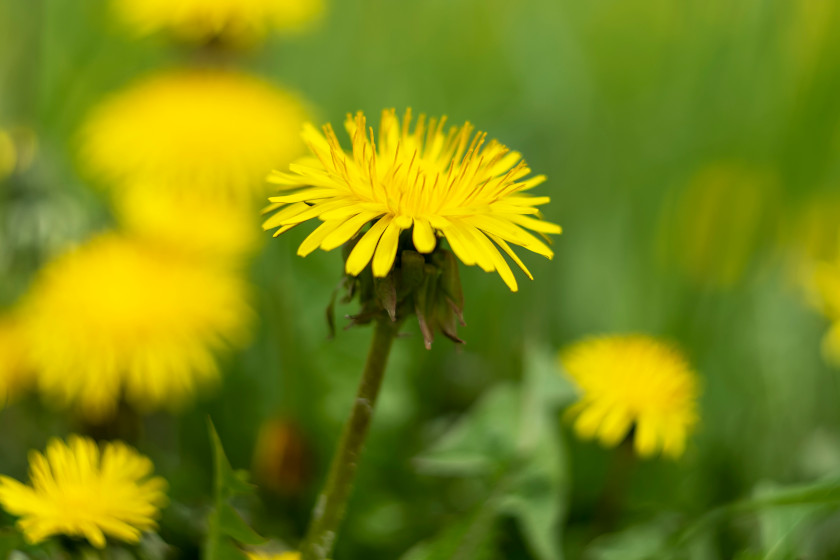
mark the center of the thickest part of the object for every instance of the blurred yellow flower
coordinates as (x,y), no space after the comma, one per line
(190,222)
(237,21)
(633,384)
(831,344)
(717,222)
(81,490)
(14,372)
(119,319)
(212,131)
(8,155)
(280,556)
(436,183)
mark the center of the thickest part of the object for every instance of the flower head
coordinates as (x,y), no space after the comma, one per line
(209,131)
(637,383)
(237,21)
(268,556)
(81,490)
(436,183)
(116,318)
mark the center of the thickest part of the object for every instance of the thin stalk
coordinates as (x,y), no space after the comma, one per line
(332,502)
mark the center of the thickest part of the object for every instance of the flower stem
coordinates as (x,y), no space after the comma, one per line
(332,502)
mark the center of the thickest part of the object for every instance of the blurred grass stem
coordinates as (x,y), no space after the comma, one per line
(332,502)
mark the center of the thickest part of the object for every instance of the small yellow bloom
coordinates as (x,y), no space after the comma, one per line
(117,318)
(209,131)
(280,556)
(435,183)
(190,222)
(13,367)
(81,490)
(633,382)
(831,344)
(237,21)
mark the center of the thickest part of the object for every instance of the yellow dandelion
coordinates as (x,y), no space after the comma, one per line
(13,368)
(238,21)
(81,490)
(827,287)
(178,220)
(210,130)
(269,556)
(831,344)
(117,318)
(637,383)
(449,184)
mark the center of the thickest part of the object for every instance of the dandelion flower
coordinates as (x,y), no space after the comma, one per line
(213,131)
(268,556)
(436,183)
(827,294)
(237,21)
(81,490)
(13,369)
(119,319)
(637,383)
(178,220)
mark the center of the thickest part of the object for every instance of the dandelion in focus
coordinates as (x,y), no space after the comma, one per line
(14,372)
(179,220)
(436,183)
(119,319)
(209,131)
(633,384)
(230,21)
(82,490)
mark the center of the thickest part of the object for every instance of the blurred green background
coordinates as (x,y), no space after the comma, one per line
(691,149)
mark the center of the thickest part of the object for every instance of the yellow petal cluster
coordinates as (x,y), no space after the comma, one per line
(435,182)
(120,319)
(280,556)
(82,490)
(238,21)
(633,382)
(211,131)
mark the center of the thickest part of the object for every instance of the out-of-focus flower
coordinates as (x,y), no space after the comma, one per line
(210,131)
(812,237)
(8,155)
(14,372)
(449,184)
(718,222)
(81,490)
(281,457)
(831,344)
(190,222)
(272,556)
(235,21)
(119,319)
(633,384)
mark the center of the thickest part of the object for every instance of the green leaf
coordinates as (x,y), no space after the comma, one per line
(483,440)
(537,495)
(232,525)
(225,527)
(470,538)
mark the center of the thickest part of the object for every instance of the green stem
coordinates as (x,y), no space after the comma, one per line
(332,502)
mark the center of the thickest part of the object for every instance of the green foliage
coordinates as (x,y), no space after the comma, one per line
(510,440)
(225,527)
